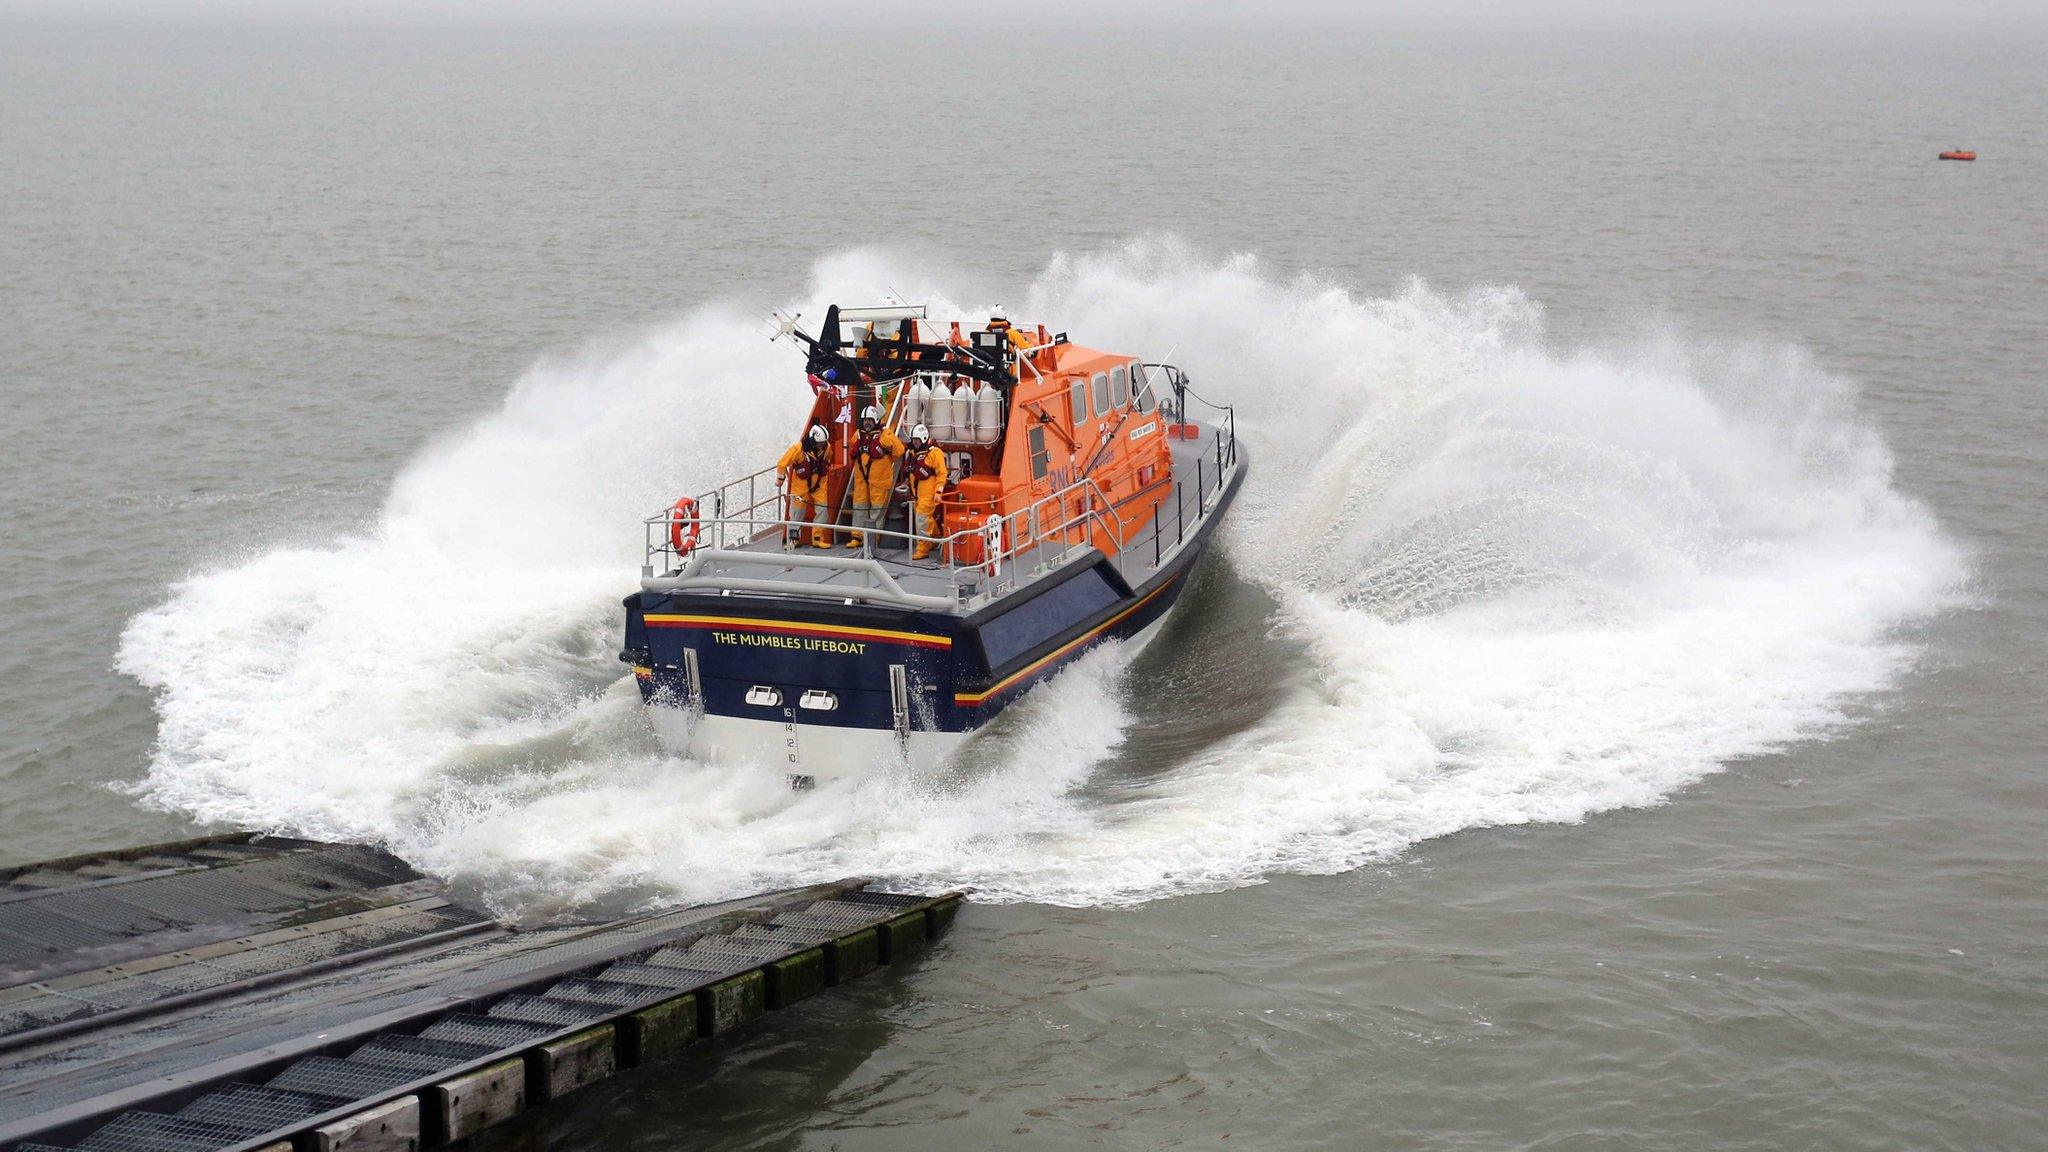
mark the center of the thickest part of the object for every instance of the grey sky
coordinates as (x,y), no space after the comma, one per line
(1957,14)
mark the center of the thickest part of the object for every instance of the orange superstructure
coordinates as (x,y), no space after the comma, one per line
(1065,414)
(982,503)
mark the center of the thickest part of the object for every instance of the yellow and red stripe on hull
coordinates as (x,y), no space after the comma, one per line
(797,628)
(974,698)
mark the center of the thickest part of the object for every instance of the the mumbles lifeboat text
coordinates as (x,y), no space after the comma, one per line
(792,643)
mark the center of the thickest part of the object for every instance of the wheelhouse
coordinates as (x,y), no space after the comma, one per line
(1077,494)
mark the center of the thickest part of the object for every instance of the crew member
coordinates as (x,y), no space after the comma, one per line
(927,476)
(804,469)
(1016,337)
(875,452)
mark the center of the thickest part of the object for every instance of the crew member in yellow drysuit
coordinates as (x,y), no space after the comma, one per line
(875,453)
(927,476)
(804,469)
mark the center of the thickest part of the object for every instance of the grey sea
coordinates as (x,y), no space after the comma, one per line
(1613,718)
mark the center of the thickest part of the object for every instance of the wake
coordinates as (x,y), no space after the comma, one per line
(1512,585)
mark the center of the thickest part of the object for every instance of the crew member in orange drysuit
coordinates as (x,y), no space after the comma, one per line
(1015,336)
(927,476)
(804,469)
(875,453)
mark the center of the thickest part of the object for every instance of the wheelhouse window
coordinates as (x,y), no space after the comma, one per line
(1080,394)
(1041,461)
(1141,388)
(1101,394)
(1119,388)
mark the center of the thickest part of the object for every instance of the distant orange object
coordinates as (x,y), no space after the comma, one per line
(1958,154)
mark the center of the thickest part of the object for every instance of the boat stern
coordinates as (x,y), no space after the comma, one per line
(814,690)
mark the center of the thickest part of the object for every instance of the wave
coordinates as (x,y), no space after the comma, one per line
(1497,583)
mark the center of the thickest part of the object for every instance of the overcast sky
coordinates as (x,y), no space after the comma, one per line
(1045,14)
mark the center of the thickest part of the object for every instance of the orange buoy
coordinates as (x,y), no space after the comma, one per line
(684,526)
(1958,154)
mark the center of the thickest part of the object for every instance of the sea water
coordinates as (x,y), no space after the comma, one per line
(1610,714)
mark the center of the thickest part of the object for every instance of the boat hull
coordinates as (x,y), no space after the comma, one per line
(796,745)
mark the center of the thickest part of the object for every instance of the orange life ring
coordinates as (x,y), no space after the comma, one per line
(683,526)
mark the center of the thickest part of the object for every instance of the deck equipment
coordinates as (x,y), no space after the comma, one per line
(1081,488)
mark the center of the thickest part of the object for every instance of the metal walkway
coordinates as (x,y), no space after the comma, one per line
(253,993)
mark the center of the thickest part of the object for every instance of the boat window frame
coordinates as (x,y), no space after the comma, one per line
(1100,385)
(1141,387)
(1078,400)
(1041,456)
(1119,387)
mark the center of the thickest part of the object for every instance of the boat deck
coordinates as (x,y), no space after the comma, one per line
(928,577)
(766,556)
(245,992)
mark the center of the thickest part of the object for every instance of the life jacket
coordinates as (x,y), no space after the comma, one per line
(869,447)
(809,466)
(920,467)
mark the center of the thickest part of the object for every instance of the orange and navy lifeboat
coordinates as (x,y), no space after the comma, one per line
(888,600)
(1958,154)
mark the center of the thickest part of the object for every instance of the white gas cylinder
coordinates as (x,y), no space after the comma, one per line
(988,413)
(917,404)
(944,420)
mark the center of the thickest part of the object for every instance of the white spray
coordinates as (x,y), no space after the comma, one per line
(1528,587)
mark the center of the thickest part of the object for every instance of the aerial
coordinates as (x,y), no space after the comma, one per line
(1183,575)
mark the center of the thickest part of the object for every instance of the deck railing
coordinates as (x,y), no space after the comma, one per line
(741,523)
(1215,470)
(739,526)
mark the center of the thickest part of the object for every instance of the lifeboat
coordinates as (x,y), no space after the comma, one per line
(1080,488)
(1958,154)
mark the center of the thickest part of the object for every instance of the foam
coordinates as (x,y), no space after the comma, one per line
(1513,584)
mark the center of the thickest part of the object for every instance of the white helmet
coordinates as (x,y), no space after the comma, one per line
(871,413)
(920,433)
(818,434)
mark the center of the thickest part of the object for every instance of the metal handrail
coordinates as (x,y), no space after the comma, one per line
(884,587)
(730,518)
(1021,532)
(1100,507)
